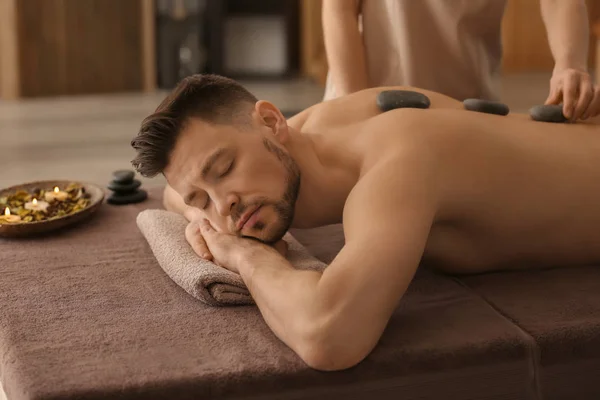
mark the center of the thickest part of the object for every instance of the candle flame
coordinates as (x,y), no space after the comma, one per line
(34,201)
(55,189)
(7,211)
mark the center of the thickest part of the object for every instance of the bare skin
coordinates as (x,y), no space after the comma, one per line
(462,192)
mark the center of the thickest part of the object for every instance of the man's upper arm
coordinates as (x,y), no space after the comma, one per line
(387,220)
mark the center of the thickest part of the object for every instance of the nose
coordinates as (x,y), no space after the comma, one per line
(226,203)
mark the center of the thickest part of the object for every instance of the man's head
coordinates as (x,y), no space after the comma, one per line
(223,151)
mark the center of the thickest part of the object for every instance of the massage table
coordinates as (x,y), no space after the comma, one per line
(87,313)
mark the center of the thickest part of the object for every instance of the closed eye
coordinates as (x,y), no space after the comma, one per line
(228,170)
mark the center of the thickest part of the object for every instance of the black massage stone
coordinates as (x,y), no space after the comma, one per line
(393,99)
(123,176)
(550,113)
(486,106)
(124,187)
(122,199)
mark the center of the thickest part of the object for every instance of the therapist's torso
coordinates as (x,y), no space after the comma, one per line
(448,46)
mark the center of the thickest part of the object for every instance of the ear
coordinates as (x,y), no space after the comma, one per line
(270,117)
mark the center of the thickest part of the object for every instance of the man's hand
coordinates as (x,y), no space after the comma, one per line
(194,237)
(575,89)
(224,249)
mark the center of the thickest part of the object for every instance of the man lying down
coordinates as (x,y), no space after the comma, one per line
(459,191)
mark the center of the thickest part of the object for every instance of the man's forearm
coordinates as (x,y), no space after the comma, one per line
(286,297)
(344,46)
(332,320)
(567,27)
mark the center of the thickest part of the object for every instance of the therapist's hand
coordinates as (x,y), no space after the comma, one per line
(577,92)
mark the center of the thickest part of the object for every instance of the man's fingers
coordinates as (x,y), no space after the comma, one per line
(206,227)
(195,239)
(586,95)
(201,248)
(208,236)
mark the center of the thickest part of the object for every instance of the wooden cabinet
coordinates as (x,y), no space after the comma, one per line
(64,47)
(597,44)
(313,60)
(524,41)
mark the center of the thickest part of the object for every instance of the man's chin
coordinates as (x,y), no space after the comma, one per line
(267,235)
(269,240)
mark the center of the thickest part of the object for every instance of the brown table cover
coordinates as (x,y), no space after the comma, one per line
(560,310)
(87,313)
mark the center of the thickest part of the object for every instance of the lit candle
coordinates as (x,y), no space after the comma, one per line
(8,217)
(37,205)
(56,195)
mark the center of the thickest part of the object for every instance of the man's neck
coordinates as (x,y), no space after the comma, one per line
(327,177)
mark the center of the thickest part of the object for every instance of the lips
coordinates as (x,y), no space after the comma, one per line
(245,217)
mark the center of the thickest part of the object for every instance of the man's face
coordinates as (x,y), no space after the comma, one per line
(241,180)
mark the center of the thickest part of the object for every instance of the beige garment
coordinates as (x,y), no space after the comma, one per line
(448,46)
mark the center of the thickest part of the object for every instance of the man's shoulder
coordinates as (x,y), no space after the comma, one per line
(359,107)
(405,177)
(399,137)
(338,112)
(396,198)
(341,111)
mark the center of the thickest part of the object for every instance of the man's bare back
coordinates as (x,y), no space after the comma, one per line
(513,192)
(461,191)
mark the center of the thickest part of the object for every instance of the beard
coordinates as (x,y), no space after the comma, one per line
(284,208)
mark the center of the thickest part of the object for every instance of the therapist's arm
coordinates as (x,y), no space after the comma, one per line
(344,46)
(567,27)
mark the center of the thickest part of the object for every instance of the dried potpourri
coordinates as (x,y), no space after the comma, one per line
(76,200)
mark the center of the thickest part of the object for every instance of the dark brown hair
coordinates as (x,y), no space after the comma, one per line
(212,98)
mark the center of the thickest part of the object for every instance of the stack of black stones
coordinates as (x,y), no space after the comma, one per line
(126,189)
(392,99)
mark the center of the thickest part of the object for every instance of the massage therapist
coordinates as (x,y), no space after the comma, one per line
(450,46)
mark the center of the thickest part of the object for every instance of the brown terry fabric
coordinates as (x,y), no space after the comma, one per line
(206,281)
(560,309)
(87,313)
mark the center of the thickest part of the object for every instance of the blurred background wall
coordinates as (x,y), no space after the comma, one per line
(68,47)
(113,61)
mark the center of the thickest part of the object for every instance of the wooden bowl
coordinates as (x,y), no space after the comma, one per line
(23,229)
